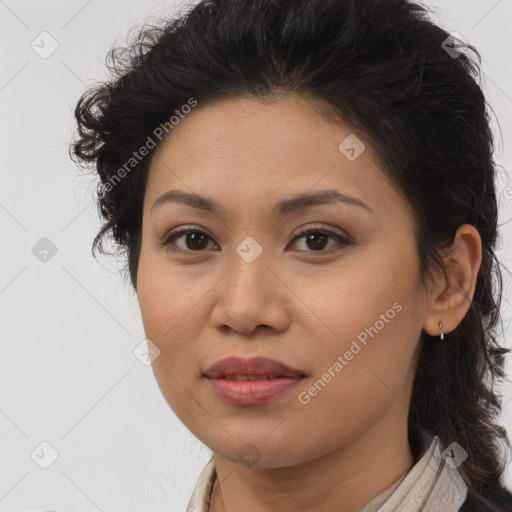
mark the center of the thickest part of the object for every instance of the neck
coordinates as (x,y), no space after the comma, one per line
(344,480)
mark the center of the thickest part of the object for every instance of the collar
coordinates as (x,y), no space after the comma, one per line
(432,484)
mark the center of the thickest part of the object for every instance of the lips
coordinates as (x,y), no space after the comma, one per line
(256,368)
(254,381)
(252,377)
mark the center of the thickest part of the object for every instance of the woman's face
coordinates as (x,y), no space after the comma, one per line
(347,312)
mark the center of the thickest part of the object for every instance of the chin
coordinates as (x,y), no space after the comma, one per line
(260,455)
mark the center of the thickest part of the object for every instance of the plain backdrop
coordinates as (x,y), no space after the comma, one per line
(73,395)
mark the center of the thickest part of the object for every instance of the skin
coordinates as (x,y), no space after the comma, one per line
(295,303)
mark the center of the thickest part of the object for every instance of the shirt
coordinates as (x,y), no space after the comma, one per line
(431,485)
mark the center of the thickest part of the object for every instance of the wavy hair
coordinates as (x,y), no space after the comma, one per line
(387,70)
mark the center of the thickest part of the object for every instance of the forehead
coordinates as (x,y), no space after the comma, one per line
(244,150)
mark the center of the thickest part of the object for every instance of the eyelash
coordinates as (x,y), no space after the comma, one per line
(342,241)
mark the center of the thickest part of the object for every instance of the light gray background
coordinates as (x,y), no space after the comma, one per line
(68,375)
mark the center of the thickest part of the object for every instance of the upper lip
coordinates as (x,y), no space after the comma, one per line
(254,366)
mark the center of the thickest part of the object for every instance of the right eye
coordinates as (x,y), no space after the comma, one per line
(193,240)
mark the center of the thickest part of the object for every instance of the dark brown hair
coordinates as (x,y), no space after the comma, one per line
(385,69)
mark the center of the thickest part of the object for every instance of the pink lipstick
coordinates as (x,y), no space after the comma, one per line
(251,381)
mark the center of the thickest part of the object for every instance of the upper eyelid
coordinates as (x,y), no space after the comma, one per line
(183,230)
(322,227)
(299,231)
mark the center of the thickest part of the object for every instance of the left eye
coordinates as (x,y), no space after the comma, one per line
(196,240)
(317,238)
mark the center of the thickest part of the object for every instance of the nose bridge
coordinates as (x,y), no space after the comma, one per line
(248,279)
(248,296)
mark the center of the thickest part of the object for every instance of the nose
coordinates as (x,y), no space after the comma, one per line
(251,296)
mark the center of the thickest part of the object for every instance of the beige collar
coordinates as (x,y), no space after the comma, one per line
(432,484)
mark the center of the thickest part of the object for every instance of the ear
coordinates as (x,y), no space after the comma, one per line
(453,292)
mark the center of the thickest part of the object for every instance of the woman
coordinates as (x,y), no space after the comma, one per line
(305,194)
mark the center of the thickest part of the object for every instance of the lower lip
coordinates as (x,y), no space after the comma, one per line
(252,392)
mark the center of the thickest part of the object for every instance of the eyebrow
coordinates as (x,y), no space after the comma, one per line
(280,209)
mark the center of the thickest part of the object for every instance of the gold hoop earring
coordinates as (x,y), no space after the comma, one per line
(440,328)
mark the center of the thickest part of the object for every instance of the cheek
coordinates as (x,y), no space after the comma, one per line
(164,295)
(172,303)
(364,379)
(165,307)
(368,331)
(165,320)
